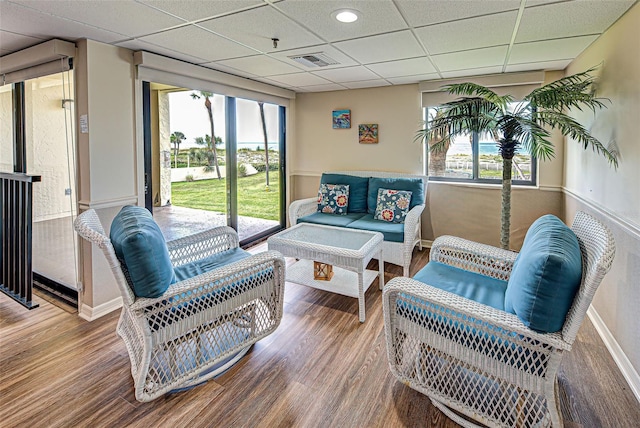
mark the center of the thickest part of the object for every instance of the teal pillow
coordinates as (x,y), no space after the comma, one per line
(139,245)
(413,185)
(392,205)
(333,198)
(546,275)
(357,189)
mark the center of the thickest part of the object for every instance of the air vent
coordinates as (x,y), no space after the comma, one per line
(314,60)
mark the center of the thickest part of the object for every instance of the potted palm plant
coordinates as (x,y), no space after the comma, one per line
(523,126)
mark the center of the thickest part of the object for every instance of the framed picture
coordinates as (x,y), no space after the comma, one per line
(368,133)
(341,119)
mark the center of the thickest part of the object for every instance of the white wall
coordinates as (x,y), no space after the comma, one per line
(613,195)
(6,130)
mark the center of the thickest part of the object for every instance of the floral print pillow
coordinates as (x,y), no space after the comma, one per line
(392,205)
(333,198)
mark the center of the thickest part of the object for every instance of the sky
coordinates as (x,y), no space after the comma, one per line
(189,116)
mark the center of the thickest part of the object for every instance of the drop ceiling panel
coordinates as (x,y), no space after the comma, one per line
(546,65)
(472,72)
(124,19)
(256,28)
(11,42)
(419,13)
(260,65)
(347,74)
(299,79)
(139,45)
(366,83)
(403,67)
(384,47)
(404,80)
(199,9)
(486,57)
(376,17)
(342,59)
(195,41)
(219,67)
(549,50)
(23,20)
(469,33)
(568,19)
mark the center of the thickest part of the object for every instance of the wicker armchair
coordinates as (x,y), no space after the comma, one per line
(473,360)
(200,326)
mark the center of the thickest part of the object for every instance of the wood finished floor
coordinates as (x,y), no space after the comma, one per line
(321,368)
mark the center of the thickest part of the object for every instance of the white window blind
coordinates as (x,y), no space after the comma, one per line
(53,56)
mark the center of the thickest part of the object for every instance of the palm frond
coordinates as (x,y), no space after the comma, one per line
(478,91)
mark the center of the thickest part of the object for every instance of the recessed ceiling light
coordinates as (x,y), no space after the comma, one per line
(346,15)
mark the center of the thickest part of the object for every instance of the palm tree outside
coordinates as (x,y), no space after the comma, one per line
(207,104)
(266,143)
(176,138)
(522,126)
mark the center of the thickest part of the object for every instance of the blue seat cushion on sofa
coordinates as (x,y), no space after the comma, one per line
(357,190)
(140,245)
(331,219)
(199,267)
(546,275)
(413,185)
(474,286)
(393,232)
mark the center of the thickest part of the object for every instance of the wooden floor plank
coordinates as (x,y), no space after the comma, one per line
(320,368)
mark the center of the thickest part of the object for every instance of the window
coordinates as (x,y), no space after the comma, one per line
(475,158)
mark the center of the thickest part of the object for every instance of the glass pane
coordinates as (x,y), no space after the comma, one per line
(452,160)
(258,167)
(6,129)
(50,150)
(192,184)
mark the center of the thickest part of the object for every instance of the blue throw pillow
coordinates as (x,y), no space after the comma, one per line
(546,275)
(140,245)
(413,185)
(392,205)
(357,189)
(333,198)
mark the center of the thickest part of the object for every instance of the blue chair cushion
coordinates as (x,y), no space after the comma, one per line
(210,263)
(330,219)
(546,275)
(393,232)
(413,185)
(357,189)
(140,245)
(474,286)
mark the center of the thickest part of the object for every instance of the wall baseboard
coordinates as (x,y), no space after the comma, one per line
(90,313)
(426,243)
(628,371)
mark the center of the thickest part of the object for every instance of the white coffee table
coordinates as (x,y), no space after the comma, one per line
(348,250)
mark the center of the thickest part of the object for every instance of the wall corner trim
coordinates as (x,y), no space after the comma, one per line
(93,313)
(628,371)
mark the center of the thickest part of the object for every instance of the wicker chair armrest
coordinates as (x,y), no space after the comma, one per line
(203,244)
(208,283)
(301,208)
(494,324)
(411,222)
(473,256)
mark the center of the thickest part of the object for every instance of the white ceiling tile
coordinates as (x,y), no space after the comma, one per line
(569,19)
(229,70)
(546,65)
(404,80)
(472,72)
(13,42)
(260,65)
(27,21)
(197,42)
(425,12)
(274,83)
(403,67)
(257,27)
(321,88)
(347,74)
(486,57)
(383,47)
(472,33)
(139,45)
(366,84)
(193,10)
(299,79)
(333,53)
(121,16)
(549,50)
(376,17)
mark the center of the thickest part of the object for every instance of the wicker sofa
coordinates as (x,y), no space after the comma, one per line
(399,238)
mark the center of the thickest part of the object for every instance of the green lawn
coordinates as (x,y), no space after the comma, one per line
(210,195)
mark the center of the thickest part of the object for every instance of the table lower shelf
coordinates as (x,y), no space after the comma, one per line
(344,281)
